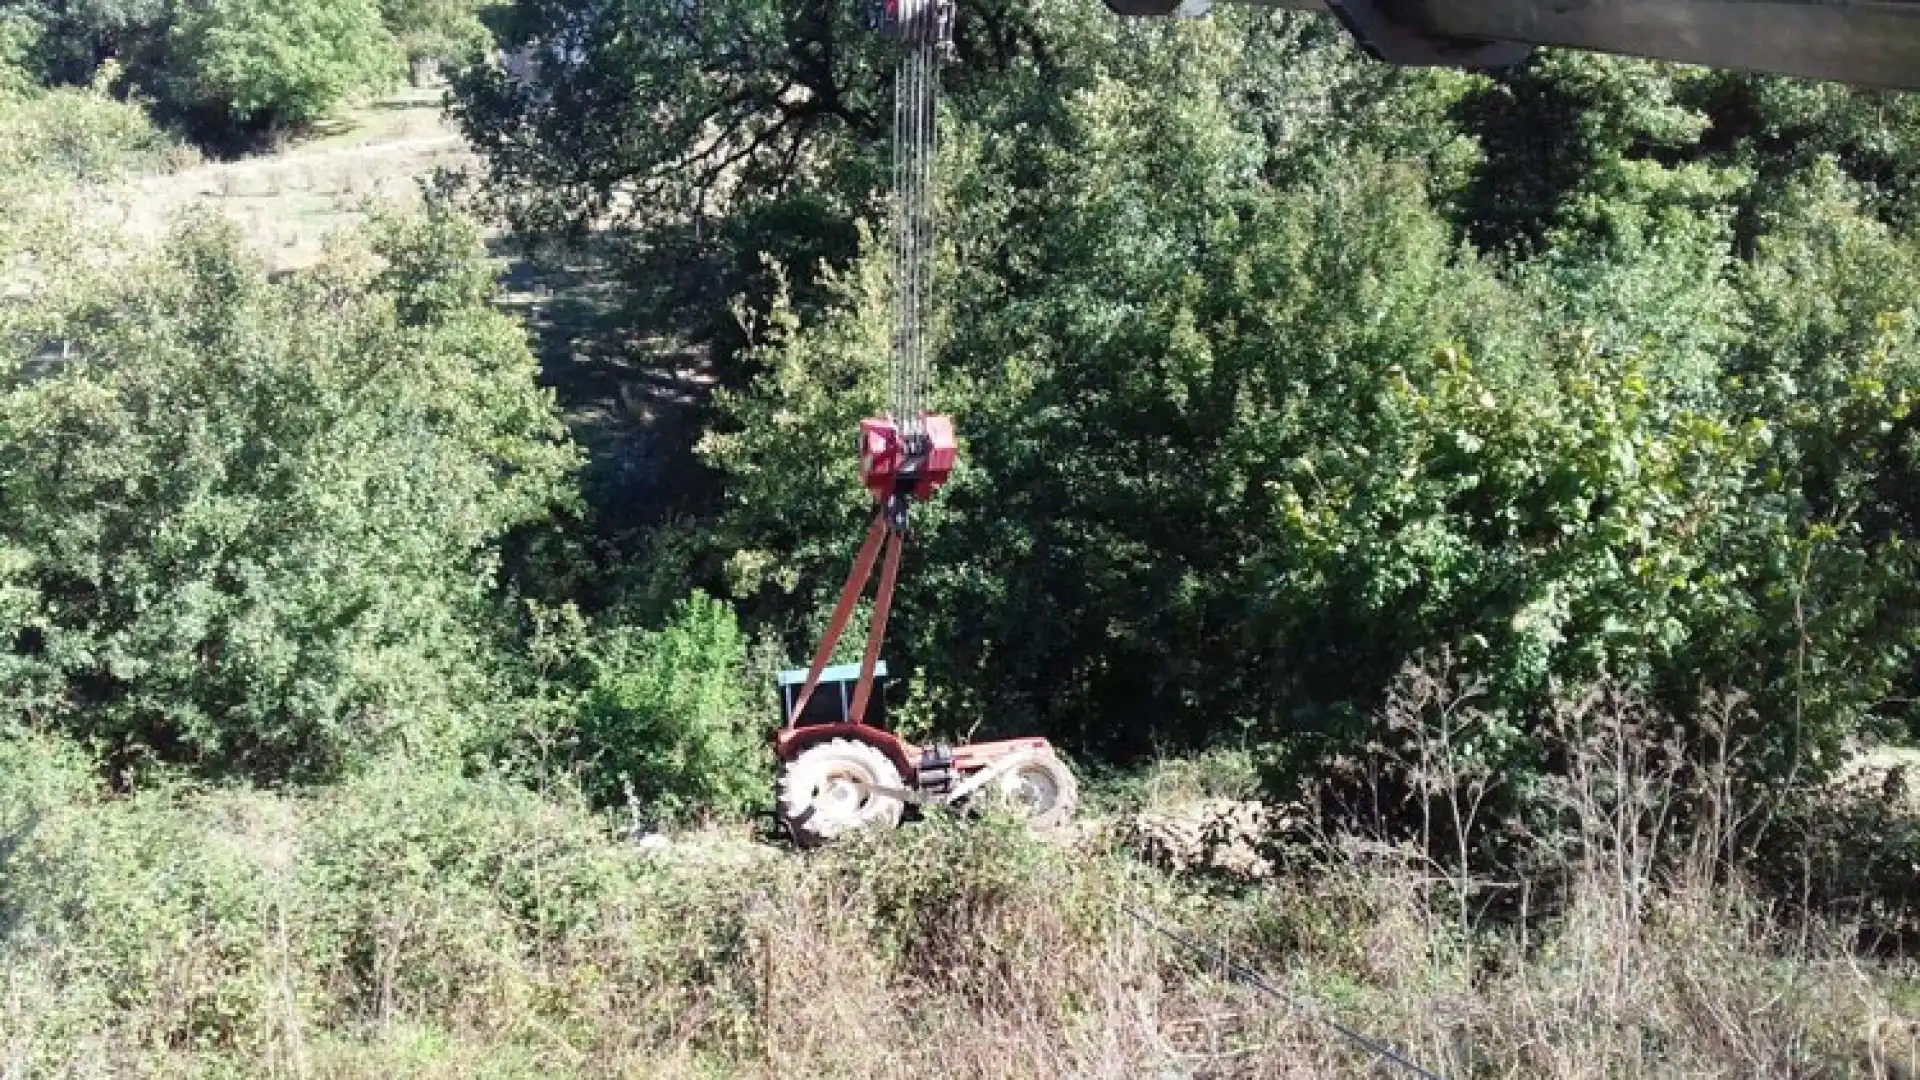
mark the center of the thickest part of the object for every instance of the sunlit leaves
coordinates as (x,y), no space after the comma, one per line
(251,526)
(282,62)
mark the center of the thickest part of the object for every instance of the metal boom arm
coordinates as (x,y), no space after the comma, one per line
(1871,43)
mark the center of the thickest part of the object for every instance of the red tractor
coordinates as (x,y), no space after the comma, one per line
(840,767)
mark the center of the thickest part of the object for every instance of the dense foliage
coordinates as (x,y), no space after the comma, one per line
(408,924)
(671,721)
(278,61)
(1277,368)
(231,71)
(1280,373)
(253,526)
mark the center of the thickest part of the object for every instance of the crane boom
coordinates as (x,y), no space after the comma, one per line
(1868,43)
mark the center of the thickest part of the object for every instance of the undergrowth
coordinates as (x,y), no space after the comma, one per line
(409,923)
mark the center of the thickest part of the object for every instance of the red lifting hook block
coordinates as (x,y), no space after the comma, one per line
(888,466)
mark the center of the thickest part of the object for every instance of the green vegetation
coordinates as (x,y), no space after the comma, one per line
(1277,369)
(80,136)
(413,925)
(672,717)
(1508,479)
(253,524)
(279,61)
(443,31)
(232,71)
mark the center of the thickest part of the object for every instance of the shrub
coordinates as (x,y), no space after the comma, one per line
(669,713)
(148,916)
(81,135)
(231,921)
(278,63)
(446,31)
(424,893)
(19,41)
(38,772)
(410,922)
(252,527)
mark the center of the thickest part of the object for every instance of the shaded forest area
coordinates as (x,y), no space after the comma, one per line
(1277,368)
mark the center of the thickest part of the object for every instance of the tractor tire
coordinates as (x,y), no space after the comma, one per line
(817,797)
(1043,789)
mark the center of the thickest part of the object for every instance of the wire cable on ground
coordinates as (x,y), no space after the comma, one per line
(1259,982)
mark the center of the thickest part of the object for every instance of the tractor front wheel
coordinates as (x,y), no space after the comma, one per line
(1042,788)
(824,791)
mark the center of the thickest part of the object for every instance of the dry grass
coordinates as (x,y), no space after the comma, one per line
(289,202)
(419,926)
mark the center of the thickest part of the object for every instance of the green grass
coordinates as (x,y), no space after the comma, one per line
(407,113)
(289,201)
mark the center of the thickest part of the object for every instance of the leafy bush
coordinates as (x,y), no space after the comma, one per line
(82,135)
(1851,848)
(670,713)
(1247,425)
(73,41)
(411,922)
(252,526)
(446,31)
(38,772)
(422,888)
(19,42)
(276,63)
(197,921)
(1276,368)
(62,154)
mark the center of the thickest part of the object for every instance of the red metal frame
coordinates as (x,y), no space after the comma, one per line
(967,758)
(889,467)
(878,535)
(893,475)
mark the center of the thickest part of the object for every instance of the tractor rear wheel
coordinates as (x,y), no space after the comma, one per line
(1042,788)
(821,791)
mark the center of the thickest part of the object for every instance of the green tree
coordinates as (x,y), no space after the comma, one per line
(1085,572)
(69,135)
(1832,366)
(1276,368)
(20,38)
(634,111)
(252,527)
(1238,449)
(446,31)
(73,38)
(1562,126)
(275,63)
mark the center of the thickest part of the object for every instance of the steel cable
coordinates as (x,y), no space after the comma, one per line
(1378,1048)
(915,147)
